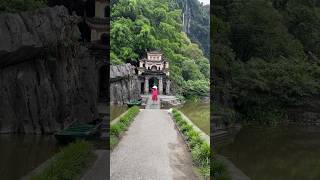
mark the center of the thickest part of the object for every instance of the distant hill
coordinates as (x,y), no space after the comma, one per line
(196,22)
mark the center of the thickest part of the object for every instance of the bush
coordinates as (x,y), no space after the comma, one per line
(125,121)
(181,123)
(200,150)
(205,171)
(219,171)
(186,128)
(201,154)
(192,134)
(69,162)
(117,129)
(195,141)
(21,5)
(177,115)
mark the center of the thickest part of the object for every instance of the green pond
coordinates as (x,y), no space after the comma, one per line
(198,113)
(20,154)
(276,153)
(116,111)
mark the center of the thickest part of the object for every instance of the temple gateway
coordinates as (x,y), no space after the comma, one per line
(153,70)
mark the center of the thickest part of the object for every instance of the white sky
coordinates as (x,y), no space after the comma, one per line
(205,1)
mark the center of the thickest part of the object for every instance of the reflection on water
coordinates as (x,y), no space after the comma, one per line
(276,153)
(198,113)
(20,154)
(116,111)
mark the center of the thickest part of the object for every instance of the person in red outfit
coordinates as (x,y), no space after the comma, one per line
(154,94)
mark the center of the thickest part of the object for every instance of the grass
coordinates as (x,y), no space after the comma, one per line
(117,129)
(69,163)
(199,113)
(116,111)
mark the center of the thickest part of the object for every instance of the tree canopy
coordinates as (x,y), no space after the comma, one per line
(138,26)
(266,54)
(21,5)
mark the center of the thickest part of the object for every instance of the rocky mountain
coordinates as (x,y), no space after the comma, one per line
(196,23)
(47,79)
(124,84)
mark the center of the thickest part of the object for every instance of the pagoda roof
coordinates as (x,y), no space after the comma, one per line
(154,52)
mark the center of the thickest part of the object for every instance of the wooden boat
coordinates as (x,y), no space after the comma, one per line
(134,103)
(78,131)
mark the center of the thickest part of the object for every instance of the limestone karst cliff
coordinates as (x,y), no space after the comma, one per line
(196,20)
(47,79)
(123,84)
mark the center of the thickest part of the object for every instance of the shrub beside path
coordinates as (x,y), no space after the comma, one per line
(151,149)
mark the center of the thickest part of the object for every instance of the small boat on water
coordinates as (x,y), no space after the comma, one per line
(134,103)
(78,130)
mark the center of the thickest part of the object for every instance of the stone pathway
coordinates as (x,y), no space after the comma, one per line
(151,104)
(151,149)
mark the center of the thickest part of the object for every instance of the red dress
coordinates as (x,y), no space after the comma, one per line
(154,95)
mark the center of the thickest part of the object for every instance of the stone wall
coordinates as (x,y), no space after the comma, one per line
(124,84)
(47,79)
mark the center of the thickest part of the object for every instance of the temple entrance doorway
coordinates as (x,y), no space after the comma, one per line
(165,87)
(153,82)
(90,8)
(142,88)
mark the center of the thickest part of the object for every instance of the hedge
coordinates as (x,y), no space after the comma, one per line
(117,129)
(200,150)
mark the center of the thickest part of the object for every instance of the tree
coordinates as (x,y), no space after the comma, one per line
(143,25)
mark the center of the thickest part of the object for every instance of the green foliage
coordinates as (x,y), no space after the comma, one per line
(196,88)
(21,5)
(143,25)
(186,128)
(199,148)
(115,130)
(122,125)
(219,171)
(69,163)
(266,56)
(199,22)
(201,154)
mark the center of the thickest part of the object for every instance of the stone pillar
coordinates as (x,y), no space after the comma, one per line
(146,85)
(168,87)
(160,86)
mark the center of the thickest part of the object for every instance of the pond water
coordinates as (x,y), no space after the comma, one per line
(199,113)
(117,110)
(20,154)
(276,153)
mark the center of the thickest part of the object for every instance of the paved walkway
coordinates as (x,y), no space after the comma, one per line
(99,170)
(152,149)
(152,104)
